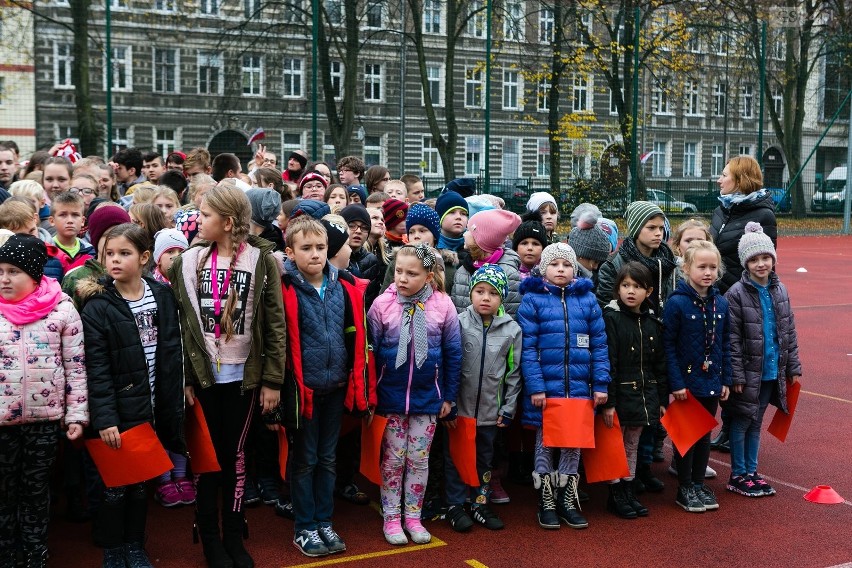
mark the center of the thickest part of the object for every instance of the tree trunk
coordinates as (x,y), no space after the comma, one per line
(87,129)
(341,121)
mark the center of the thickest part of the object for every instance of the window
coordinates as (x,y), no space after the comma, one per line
(373,82)
(166,78)
(717,159)
(472,155)
(290,142)
(210,73)
(473,88)
(692,107)
(511,158)
(252,70)
(122,69)
(510,90)
(513,23)
(720,44)
(375,14)
(373,151)
(778,101)
(430,160)
(543,94)
(432,16)
(294,12)
(119,140)
(69,132)
(164,6)
(661,96)
(252,8)
(292,78)
(546,25)
(328,154)
(584,26)
(720,99)
(613,101)
(690,159)
(209,7)
(579,166)
(746,150)
(476,22)
(693,44)
(62,59)
(165,142)
(747,110)
(581,93)
(334,9)
(778,49)
(434,78)
(659,159)
(542,158)
(836,83)
(336,74)
(118,4)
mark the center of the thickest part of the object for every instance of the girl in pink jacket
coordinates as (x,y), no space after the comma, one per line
(42,384)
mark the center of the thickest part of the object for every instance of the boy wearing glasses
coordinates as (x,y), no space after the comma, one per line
(67,217)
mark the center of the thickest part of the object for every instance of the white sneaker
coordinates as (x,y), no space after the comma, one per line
(709,473)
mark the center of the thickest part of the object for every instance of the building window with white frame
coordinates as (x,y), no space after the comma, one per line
(432,16)
(693,44)
(720,99)
(510,90)
(543,94)
(329,155)
(747,110)
(290,142)
(373,151)
(472,155)
(166,70)
(581,93)
(476,21)
(473,88)
(613,103)
(693,100)
(336,74)
(778,102)
(513,23)
(373,82)
(252,72)
(120,140)
(292,78)
(661,96)
(63,58)
(165,142)
(209,7)
(122,69)
(334,10)
(375,12)
(252,8)
(546,25)
(659,159)
(746,150)
(210,73)
(430,159)
(690,159)
(294,12)
(717,157)
(542,158)
(434,79)
(511,157)
(165,6)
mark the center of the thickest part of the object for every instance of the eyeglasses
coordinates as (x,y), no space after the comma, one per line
(83,190)
(386,179)
(358,227)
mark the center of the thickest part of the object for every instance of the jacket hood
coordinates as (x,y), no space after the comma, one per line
(255,241)
(765,202)
(644,310)
(291,271)
(537,284)
(745,278)
(499,318)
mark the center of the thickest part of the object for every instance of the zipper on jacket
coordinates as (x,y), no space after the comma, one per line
(481,370)
(25,395)
(567,346)
(642,368)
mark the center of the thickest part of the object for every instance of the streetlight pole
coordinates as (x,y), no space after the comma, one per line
(634,148)
(488,9)
(109,76)
(314,81)
(762,54)
(402,50)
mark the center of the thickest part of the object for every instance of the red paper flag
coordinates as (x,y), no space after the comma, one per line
(569,423)
(780,425)
(686,421)
(141,457)
(283,452)
(371,448)
(202,454)
(607,460)
(463,449)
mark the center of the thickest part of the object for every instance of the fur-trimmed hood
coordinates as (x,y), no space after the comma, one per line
(538,285)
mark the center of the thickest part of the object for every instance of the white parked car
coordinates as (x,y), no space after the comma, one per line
(669,204)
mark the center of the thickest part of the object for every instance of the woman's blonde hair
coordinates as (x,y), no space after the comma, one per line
(168,193)
(27,188)
(694,223)
(702,246)
(746,173)
(437,275)
(150,218)
(142,193)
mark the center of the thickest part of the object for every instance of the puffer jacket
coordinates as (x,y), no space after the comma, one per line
(728,226)
(684,339)
(119,386)
(92,269)
(43,369)
(564,347)
(491,370)
(747,344)
(509,262)
(409,389)
(265,362)
(637,364)
(609,270)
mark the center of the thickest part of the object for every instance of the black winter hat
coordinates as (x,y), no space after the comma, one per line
(27,253)
(530,228)
(337,237)
(356,212)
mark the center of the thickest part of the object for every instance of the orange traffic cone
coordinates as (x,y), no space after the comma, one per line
(823,494)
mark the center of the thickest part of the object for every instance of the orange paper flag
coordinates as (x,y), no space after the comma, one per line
(686,421)
(283,452)
(202,454)
(607,460)
(780,425)
(569,423)
(371,448)
(141,457)
(463,449)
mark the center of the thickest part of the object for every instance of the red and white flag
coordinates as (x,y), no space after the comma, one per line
(259,134)
(646,156)
(68,150)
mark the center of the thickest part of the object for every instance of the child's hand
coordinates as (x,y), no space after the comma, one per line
(725,393)
(258,156)
(539,400)
(501,423)
(269,399)
(451,424)
(794,379)
(600,398)
(368,419)
(74,431)
(446,408)
(738,389)
(679,394)
(111,437)
(662,411)
(608,413)
(189,395)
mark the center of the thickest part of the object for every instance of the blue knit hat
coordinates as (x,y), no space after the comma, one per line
(494,275)
(312,207)
(463,186)
(422,214)
(358,190)
(448,201)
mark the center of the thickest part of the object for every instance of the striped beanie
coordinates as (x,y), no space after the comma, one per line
(637,215)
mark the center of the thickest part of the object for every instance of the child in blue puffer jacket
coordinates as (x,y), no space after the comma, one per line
(564,355)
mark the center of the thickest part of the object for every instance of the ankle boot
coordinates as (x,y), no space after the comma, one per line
(722,442)
(207,529)
(547,517)
(114,558)
(639,508)
(35,557)
(135,516)
(617,503)
(651,483)
(568,501)
(135,556)
(234,529)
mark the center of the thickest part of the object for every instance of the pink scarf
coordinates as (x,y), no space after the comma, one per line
(493,259)
(35,306)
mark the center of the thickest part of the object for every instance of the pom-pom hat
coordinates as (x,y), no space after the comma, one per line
(755,242)
(587,239)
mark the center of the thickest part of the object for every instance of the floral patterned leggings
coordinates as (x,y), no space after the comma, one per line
(405,463)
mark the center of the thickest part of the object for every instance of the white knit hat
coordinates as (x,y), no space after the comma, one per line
(538,199)
(168,239)
(557,250)
(755,242)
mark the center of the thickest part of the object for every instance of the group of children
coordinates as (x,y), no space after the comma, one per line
(484,317)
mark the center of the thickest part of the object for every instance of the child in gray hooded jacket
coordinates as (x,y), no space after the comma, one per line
(488,391)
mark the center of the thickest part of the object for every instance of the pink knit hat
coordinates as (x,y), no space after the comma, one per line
(491,228)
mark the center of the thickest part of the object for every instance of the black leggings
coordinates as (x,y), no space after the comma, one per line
(691,466)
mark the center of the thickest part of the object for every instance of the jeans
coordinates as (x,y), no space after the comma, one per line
(457,490)
(745,434)
(312,462)
(691,466)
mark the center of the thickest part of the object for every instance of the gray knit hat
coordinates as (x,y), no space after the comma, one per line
(557,250)
(265,205)
(587,239)
(637,215)
(755,242)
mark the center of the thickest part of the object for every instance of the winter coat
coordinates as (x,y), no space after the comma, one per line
(91,270)
(366,265)
(119,386)
(564,346)
(409,389)
(265,362)
(684,340)
(327,344)
(491,371)
(609,270)
(43,368)
(747,344)
(637,364)
(728,226)
(509,262)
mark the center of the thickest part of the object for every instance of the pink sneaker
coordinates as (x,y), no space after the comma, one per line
(419,535)
(393,532)
(168,494)
(498,494)
(187,490)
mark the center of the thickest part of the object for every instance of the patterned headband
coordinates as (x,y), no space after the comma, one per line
(426,255)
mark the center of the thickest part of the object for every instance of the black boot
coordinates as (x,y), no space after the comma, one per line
(547,517)
(108,524)
(568,501)
(638,486)
(36,557)
(617,501)
(651,483)
(639,508)
(207,529)
(722,442)
(234,529)
(75,509)
(135,516)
